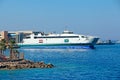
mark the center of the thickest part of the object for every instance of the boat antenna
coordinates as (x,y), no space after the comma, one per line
(66,27)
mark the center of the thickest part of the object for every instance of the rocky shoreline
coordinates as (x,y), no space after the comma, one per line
(21,64)
(16,60)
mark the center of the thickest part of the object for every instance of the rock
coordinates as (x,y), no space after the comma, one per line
(20,64)
(49,66)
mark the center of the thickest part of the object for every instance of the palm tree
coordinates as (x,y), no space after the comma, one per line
(2,46)
(14,54)
(11,45)
(2,49)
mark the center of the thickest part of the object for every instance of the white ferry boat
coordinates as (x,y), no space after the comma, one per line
(66,39)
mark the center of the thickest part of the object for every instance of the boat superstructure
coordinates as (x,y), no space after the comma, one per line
(66,38)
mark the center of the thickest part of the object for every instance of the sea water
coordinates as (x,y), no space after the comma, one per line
(102,63)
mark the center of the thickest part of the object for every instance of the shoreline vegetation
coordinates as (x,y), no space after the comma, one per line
(16,59)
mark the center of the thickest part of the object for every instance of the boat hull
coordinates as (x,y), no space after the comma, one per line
(57,46)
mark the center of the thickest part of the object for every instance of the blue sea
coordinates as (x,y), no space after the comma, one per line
(102,63)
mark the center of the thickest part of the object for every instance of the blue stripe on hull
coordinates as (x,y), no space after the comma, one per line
(58,47)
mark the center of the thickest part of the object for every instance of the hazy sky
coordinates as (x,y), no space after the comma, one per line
(91,17)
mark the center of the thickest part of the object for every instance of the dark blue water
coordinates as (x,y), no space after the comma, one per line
(103,63)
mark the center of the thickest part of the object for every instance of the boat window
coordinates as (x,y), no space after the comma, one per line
(35,37)
(58,37)
(67,32)
(27,37)
(83,36)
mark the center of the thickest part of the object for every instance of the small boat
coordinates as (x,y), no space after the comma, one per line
(108,42)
